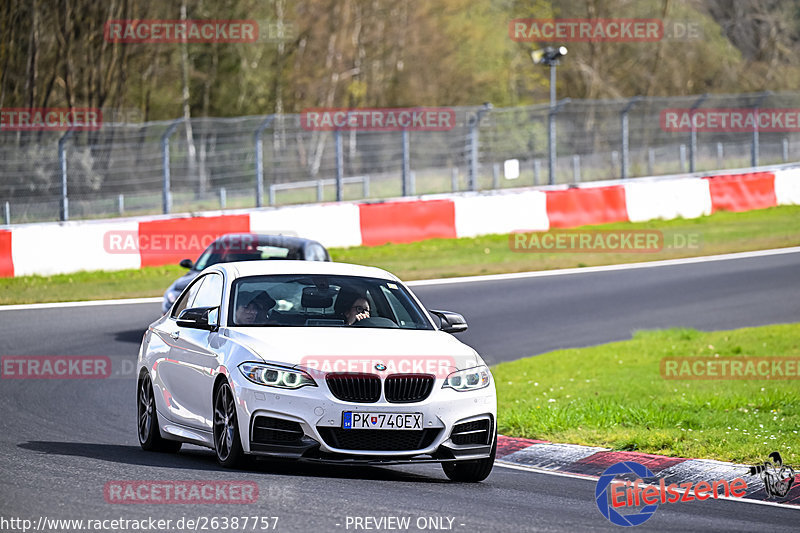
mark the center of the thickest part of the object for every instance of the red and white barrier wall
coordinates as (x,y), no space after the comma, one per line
(53,248)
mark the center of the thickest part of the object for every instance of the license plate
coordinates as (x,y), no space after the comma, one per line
(363,420)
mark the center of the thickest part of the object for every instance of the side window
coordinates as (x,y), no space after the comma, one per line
(210,294)
(187,298)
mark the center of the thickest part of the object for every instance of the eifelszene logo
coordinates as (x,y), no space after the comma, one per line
(612,495)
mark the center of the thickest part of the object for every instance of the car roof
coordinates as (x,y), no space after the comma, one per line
(240,269)
(269,240)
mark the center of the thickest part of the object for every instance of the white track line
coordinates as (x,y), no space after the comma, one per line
(588,477)
(606,268)
(472,279)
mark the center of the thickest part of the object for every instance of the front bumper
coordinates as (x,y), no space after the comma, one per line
(305,423)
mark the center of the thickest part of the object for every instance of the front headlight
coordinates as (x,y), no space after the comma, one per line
(469,379)
(275,376)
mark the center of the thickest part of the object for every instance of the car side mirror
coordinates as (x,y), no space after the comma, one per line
(186,263)
(199,318)
(450,322)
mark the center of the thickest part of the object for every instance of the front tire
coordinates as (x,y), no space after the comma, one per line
(471,471)
(150,438)
(227,444)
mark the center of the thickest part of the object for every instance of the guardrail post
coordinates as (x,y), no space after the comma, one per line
(785,144)
(339,165)
(693,135)
(576,168)
(412,183)
(626,136)
(7,211)
(260,162)
(720,155)
(62,165)
(320,191)
(166,194)
(683,157)
(271,194)
(537,171)
(365,187)
(651,161)
(475,123)
(454,179)
(406,170)
(223,198)
(121,204)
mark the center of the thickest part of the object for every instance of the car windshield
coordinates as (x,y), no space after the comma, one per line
(243,252)
(324,301)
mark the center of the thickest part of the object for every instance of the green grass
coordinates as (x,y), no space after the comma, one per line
(722,232)
(719,233)
(614,396)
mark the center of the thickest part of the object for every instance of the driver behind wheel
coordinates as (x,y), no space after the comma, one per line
(253,307)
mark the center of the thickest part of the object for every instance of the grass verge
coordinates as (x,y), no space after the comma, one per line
(721,232)
(613,395)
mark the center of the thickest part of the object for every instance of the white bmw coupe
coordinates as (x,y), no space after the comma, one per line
(316,361)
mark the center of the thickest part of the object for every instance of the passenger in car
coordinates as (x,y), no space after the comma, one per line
(352,306)
(253,307)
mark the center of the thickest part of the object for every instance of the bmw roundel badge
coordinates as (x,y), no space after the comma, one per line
(380,367)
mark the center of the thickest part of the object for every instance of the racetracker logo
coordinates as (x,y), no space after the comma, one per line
(377,119)
(612,495)
(169,491)
(131,242)
(730,120)
(730,368)
(56,367)
(586,30)
(51,119)
(437,365)
(179,31)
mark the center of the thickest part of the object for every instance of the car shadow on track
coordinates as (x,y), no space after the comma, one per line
(195,458)
(133,336)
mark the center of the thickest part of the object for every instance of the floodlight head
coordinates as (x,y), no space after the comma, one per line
(548,55)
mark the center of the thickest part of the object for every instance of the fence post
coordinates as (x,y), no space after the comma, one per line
(412,183)
(551,139)
(651,161)
(223,198)
(166,195)
(320,191)
(496,176)
(7,211)
(271,194)
(473,139)
(406,163)
(260,161)
(339,165)
(62,165)
(365,187)
(576,168)
(693,135)
(785,144)
(626,135)
(720,155)
(454,179)
(755,147)
(121,204)
(537,171)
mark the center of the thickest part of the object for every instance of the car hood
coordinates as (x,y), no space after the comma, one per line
(339,349)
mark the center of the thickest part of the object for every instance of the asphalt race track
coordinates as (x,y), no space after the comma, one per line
(63,440)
